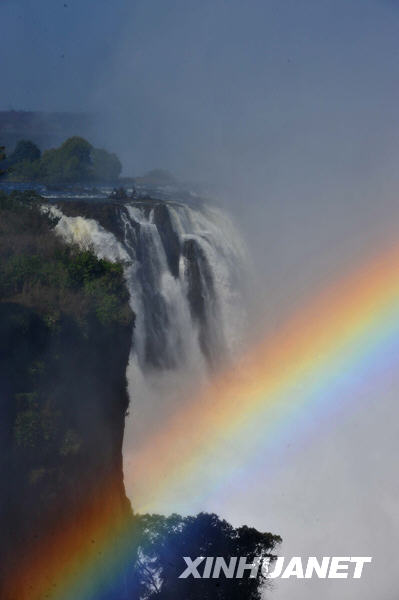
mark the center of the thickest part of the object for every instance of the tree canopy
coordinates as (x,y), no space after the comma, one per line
(106,166)
(2,159)
(75,161)
(25,151)
(166,540)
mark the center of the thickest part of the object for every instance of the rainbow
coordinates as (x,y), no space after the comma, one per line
(334,344)
(331,346)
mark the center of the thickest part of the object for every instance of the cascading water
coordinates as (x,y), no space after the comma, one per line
(185,269)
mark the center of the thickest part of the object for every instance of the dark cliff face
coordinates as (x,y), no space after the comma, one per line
(63,398)
(63,392)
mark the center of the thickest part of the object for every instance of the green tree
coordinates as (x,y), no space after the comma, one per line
(69,163)
(75,161)
(2,159)
(166,540)
(25,151)
(26,170)
(106,165)
(77,147)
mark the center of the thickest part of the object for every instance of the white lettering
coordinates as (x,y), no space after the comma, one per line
(192,567)
(336,567)
(293,569)
(253,567)
(221,565)
(277,568)
(314,566)
(359,560)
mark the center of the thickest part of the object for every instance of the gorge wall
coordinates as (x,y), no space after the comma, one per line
(65,338)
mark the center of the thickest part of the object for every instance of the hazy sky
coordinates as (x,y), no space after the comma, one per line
(209,87)
(291,108)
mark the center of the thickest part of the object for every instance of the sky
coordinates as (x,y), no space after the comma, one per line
(209,88)
(289,110)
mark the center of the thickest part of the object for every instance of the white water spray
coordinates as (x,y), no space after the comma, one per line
(185,269)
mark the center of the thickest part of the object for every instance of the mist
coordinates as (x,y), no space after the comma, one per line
(288,112)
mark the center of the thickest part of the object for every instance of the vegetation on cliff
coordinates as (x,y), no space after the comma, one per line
(75,161)
(38,270)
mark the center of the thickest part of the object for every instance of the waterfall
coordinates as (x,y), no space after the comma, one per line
(185,268)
